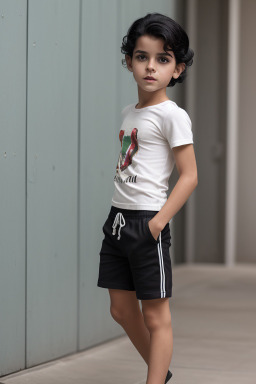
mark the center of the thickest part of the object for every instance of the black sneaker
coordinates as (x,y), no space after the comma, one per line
(169,375)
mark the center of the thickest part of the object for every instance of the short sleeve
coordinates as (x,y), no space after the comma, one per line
(177,128)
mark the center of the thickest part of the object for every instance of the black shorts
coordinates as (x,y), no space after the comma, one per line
(131,258)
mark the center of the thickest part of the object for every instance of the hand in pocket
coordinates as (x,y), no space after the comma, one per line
(154,231)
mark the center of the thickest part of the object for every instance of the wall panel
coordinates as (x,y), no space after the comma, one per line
(13,30)
(52,156)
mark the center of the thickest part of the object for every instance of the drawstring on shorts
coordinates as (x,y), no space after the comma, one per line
(118,220)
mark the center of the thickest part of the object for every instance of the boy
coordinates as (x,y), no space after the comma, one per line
(155,134)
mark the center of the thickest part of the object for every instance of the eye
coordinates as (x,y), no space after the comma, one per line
(164,58)
(139,56)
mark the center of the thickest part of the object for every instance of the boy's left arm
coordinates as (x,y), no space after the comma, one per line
(186,165)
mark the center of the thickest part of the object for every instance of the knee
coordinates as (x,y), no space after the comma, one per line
(119,314)
(153,321)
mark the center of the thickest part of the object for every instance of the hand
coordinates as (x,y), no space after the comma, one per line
(153,229)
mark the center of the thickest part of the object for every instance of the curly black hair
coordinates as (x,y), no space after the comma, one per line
(173,35)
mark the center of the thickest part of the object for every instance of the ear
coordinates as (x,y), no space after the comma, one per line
(128,60)
(178,70)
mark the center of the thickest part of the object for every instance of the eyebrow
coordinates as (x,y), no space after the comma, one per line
(159,54)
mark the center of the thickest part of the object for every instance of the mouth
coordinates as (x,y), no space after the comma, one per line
(149,78)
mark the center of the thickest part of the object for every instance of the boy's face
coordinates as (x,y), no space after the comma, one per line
(162,67)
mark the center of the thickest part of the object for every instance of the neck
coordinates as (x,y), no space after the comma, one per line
(151,98)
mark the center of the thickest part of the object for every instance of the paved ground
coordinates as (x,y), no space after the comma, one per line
(214,328)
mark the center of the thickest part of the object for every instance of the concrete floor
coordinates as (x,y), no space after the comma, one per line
(214,329)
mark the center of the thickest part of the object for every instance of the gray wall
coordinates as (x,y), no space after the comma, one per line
(211,131)
(13,154)
(62,90)
(210,123)
(246,201)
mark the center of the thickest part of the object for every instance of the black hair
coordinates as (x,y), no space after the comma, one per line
(160,26)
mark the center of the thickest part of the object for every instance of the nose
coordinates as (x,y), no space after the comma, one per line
(150,66)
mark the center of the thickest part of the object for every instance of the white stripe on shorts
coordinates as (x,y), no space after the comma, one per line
(161,265)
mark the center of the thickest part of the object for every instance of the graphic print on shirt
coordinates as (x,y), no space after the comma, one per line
(129,147)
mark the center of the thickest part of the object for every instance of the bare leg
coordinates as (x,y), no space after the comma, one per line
(126,311)
(157,318)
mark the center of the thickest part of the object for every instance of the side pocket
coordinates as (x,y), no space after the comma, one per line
(149,232)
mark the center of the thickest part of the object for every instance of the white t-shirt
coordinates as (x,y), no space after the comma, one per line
(146,161)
